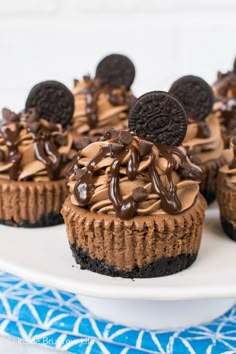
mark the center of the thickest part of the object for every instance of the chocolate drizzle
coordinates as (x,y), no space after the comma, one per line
(133,163)
(137,150)
(233,162)
(46,152)
(45,140)
(84,188)
(203,130)
(92,92)
(11,139)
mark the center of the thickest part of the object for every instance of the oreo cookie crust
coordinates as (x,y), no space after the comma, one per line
(159,117)
(53,101)
(159,268)
(195,94)
(50,219)
(116,70)
(229,229)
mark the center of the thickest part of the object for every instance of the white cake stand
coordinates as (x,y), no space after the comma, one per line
(197,295)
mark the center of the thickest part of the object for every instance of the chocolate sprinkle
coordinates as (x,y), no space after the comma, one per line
(116,149)
(32,114)
(82,143)
(125,137)
(2,156)
(10,116)
(139,194)
(145,147)
(110,133)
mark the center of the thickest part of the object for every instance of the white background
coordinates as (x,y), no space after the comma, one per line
(64,39)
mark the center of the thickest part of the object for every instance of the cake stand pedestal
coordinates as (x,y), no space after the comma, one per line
(196,295)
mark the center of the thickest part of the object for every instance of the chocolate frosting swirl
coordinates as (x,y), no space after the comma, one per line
(225,85)
(225,103)
(125,175)
(229,170)
(99,106)
(204,148)
(31,148)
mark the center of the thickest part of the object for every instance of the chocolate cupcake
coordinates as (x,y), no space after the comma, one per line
(226,192)
(34,156)
(224,90)
(134,208)
(104,101)
(203,140)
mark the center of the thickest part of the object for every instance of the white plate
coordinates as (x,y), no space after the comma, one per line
(204,291)
(43,256)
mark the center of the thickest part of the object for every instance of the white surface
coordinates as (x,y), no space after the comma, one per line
(157,314)
(63,39)
(43,256)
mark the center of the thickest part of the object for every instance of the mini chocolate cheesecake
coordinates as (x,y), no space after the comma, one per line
(134,208)
(104,101)
(35,152)
(203,140)
(226,192)
(224,89)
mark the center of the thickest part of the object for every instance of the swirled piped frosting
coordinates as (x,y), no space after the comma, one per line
(99,106)
(225,85)
(204,147)
(225,103)
(32,149)
(125,175)
(229,169)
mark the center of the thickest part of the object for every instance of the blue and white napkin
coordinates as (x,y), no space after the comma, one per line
(53,318)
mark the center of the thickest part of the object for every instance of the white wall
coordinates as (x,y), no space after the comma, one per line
(63,39)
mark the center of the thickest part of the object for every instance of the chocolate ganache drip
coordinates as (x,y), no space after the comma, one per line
(93,90)
(114,75)
(25,139)
(137,150)
(232,165)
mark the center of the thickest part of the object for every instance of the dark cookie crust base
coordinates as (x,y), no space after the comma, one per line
(161,267)
(209,196)
(229,229)
(45,220)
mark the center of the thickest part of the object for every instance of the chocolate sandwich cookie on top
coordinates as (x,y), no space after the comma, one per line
(203,140)
(134,208)
(35,153)
(224,90)
(104,101)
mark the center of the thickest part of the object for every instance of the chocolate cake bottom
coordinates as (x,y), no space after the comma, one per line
(161,267)
(50,219)
(229,229)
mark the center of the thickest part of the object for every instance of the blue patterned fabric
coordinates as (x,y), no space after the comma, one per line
(54,318)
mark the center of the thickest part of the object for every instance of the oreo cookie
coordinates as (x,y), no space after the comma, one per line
(116,70)
(159,117)
(195,94)
(53,102)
